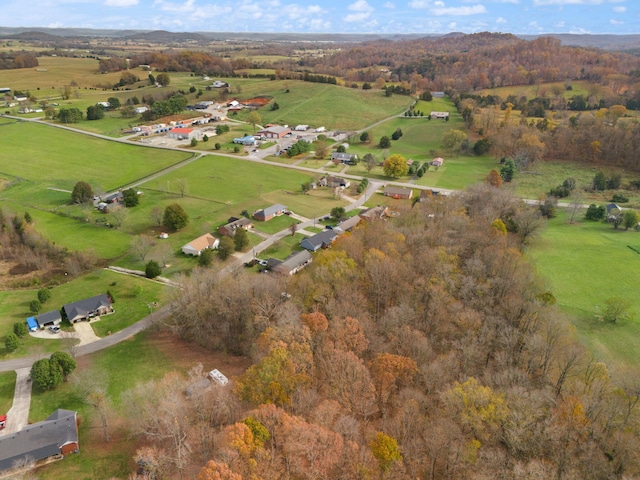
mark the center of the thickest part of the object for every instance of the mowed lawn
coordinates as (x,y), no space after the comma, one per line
(58,158)
(585,264)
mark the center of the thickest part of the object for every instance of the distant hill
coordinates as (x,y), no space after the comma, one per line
(604,42)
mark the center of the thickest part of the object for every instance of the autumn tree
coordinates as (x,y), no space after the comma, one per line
(321,148)
(386,450)
(163,79)
(389,372)
(217,471)
(494,179)
(452,140)
(395,166)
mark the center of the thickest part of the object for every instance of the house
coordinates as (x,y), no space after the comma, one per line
(219,84)
(88,308)
(49,318)
(115,197)
(348,225)
(374,213)
(233,103)
(319,240)
(200,244)
(292,264)
(613,209)
(342,157)
(104,104)
(139,110)
(185,134)
(268,213)
(203,105)
(247,140)
(397,192)
(437,162)
(334,182)
(441,115)
(274,132)
(55,436)
(437,94)
(229,230)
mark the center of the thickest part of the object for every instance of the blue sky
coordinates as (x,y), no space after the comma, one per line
(340,16)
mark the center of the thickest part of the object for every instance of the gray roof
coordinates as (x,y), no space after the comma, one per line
(82,308)
(273,209)
(341,156)
(348,224)
(394,190)
(39,440)
(295,260)
(48,317)
(319,240)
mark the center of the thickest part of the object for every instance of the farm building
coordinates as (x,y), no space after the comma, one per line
(200,244)
(301,128)
(397,192)
(247,140)
(319,240)
(57,435)
(229,230)
(441,115)
(185,134)
(268,213)
(437,162)
(276,132)
(139,110)
(88,308)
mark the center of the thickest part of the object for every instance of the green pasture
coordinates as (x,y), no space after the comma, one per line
(326,105)
(7,387)
(59,158)
(284,247)
(584,264)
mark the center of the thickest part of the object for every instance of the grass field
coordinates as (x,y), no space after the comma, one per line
(7,387)
(585,264)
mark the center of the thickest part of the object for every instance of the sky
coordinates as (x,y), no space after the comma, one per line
(332,16)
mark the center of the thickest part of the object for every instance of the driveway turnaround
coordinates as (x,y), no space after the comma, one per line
(18,414)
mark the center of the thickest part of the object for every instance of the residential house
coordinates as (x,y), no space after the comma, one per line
(375,213)
(274,132)
(334,182)
(440,115)
(55,436)
(320,240)
(268,213)
(139,110)
(437,162)
(88,308)
(203,105)
(343,157)
(348,225)
(49,318)
(200,244)
(219,84)
(397,192)
(292,264)
(437,94)
(229,230)
(185,134)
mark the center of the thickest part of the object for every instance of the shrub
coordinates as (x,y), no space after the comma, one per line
(595,212)
(35,306)
(20,329)
(11,342)
(619,198)
(152,270)
(206,258)
(46,375)
(44,295)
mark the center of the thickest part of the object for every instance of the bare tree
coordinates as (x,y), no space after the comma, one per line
(183,186)
(92,387)
(142,245)
(157,215)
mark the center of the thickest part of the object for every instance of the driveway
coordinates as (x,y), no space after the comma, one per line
(85,333)
(18,414)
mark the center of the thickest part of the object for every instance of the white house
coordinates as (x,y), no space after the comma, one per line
(140,110)
(200,244)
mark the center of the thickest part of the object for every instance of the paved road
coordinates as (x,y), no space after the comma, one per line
(18,414)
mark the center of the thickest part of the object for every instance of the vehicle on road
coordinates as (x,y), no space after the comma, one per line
(3,421)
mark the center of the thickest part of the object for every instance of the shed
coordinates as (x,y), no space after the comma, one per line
(32,324)
(49,318)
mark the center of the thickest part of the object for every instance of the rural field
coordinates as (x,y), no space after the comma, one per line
(585,264)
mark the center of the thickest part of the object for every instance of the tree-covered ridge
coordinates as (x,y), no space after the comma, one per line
(11,60)
(418,347)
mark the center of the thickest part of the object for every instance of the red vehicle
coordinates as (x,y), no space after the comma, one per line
(3,421)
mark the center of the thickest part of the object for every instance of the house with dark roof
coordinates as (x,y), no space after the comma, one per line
(292,264)
(320,240)
(55,436)
(343,157)
(268,213)
(88,308)
(49,318)
(334,182)
(397,192)
(229,230)
(347,225)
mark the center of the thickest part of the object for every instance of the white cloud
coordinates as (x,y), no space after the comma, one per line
(452,26)
(544,3)
(473,10)
(619,9)
(560,24)
(121,3)
(360,6)
(420,4)
(613,21)
(438,4)
(501,20)
(186,7)
(357,17)
(390,5)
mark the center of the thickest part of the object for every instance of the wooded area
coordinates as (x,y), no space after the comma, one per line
(421,347)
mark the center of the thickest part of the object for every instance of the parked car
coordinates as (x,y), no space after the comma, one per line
(54,329)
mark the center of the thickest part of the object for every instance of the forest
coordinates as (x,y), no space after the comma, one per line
(420,346)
